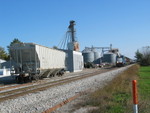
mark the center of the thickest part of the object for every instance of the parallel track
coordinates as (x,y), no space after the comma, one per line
(12,86)
(5,95)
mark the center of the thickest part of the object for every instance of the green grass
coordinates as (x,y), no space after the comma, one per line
(144,89)
(116,97)
(144,82)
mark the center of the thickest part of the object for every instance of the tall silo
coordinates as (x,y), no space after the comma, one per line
(109,58)
(88,56)
(96,55)
(96,58)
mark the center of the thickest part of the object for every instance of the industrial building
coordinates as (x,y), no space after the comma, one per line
(93,55)
(74,60)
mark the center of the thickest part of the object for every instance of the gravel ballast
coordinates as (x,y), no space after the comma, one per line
(43,100)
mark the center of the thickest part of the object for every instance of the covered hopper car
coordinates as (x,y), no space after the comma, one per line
(34,61)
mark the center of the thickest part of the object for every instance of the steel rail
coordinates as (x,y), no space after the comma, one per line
(31,89)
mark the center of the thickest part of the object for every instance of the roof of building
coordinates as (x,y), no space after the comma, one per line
(1,60)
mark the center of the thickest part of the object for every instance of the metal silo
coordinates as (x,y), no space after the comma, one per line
(96,58)
(88,56)
(96,55)
(110,58)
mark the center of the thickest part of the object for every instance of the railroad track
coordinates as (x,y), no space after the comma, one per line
(14,93)
(12,86)
(9,87)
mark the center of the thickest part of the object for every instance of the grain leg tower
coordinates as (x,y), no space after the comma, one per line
(74,56)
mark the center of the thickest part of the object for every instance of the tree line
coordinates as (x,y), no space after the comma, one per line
(143,56)
(5,55)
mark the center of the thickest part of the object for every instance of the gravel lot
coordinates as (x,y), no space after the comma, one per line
(41,101)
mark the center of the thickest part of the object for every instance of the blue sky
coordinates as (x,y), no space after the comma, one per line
(123,23)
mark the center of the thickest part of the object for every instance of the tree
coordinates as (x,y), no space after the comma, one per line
(3,54)
(138,56)
(143,56)
(55,47)
(15,40)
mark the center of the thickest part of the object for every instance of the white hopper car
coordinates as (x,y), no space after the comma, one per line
(34,61)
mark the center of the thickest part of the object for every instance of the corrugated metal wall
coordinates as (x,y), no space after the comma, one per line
(88,56)
(29,56)
(74,61)
(77,61)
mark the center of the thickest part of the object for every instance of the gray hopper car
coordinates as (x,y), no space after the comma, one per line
(34,61)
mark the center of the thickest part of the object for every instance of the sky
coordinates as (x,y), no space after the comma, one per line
(123,23)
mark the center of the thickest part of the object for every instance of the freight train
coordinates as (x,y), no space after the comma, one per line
(120,61)
(34,61)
